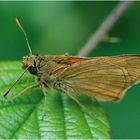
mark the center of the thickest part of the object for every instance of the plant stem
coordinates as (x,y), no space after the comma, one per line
(104,28)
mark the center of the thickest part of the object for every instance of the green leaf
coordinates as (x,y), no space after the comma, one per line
(64,119)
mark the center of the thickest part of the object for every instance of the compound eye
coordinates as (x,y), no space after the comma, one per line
(33,70)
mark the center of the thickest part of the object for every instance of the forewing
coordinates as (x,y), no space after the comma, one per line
(67,60)
(104,78)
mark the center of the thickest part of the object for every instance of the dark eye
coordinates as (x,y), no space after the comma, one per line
(33,70)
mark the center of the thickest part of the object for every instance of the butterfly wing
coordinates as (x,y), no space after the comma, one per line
(67,60)
(104,78)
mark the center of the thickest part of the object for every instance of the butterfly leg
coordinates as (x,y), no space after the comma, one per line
(27,82)
(23,91)
(95,101)
(45,92)
(82,106)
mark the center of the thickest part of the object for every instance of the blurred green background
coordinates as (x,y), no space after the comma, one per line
(64,27)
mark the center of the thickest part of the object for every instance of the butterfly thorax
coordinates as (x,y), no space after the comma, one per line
(47,68)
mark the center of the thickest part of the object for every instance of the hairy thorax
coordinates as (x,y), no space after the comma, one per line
(49,74)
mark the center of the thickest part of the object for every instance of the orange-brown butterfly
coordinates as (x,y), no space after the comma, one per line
(101,78)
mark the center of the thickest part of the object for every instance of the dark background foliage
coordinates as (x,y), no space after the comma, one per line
(64,27)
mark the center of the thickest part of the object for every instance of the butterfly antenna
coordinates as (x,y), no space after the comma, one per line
(22,29)
(9,89)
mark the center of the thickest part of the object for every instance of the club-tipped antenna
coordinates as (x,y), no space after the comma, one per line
(9,89)
(22,29)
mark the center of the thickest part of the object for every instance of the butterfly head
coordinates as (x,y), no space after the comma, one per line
(30,63)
